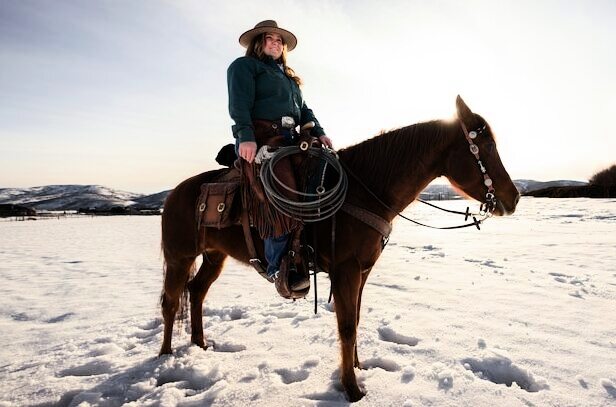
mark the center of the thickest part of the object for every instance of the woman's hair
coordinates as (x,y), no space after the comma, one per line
(255,50)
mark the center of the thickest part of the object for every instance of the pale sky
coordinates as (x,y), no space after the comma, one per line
(132,94)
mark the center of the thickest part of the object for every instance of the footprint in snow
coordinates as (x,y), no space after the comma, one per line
(300,374)
(408,374)
(289,376)
(229,347)
(385,364)
(388,334)
(153,324)
(500,370)
(60,318)
(298,319)
(486,263)
(94,368)
(281,314)
(609,387)
(442,374)
(567,279)
(227,313)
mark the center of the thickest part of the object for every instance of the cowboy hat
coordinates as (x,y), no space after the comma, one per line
(268,26)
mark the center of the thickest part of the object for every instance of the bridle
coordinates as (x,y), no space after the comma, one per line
(486,208)
(489,205)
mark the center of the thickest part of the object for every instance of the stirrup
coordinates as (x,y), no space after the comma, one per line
(301,284)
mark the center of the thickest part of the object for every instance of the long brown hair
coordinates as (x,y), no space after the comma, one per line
(255,50)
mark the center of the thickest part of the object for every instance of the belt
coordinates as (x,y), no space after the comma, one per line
(289,134)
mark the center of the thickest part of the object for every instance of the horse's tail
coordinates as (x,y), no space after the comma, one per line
(182,314)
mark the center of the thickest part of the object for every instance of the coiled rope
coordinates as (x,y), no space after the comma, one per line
(311,207)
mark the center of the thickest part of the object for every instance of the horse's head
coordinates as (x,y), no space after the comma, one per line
(474,166)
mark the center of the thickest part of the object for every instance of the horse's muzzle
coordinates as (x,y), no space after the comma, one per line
(503,209)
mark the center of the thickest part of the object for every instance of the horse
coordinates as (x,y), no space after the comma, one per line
(395,166)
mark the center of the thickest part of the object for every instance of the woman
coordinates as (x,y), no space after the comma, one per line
(264,89)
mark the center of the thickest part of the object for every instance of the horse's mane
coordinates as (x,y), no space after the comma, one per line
(381,158)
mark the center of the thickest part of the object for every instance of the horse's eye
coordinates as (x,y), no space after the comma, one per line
(490,147)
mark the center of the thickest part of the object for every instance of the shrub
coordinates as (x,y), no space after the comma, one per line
(605,177)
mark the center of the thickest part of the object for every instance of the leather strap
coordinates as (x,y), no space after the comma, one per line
(374,221)
(250,245)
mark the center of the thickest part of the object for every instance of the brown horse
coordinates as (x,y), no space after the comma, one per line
(396,166)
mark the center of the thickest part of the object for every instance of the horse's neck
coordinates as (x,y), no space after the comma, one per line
(397,179)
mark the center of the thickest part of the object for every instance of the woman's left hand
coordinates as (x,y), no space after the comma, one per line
(326,141)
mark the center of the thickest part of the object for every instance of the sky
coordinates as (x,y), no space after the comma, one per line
(131,94)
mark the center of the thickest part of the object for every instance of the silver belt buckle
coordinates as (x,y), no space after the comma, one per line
(287,122)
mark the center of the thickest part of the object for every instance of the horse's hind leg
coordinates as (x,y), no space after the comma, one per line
(176,275)
(198,287)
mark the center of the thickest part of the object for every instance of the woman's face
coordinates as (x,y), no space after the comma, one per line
(272,45)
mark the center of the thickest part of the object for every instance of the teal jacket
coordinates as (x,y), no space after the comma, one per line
(260,90)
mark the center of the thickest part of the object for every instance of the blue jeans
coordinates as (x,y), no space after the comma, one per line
(274,250)
(274,246)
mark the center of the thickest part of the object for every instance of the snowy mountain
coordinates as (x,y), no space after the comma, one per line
(67,197)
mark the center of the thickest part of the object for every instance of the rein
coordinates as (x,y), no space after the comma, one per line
(486,208)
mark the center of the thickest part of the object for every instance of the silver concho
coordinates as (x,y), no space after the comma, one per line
(287,122)
(472,134)
(474,149)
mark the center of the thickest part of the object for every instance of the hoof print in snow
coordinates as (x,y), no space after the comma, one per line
(609,387)
(310,363)
(385,364)
(229,347)
(289,376)
(443,375)
(408,374)
(500,370)
(388,334)
(227,313)
(60,318)
(21,316)
(94,368)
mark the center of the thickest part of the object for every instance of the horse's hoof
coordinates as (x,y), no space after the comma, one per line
(355,395)
(164,351)
(199,342)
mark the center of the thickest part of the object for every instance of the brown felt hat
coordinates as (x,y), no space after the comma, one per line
(268,26)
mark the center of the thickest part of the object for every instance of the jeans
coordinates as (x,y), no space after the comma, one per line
(274,250)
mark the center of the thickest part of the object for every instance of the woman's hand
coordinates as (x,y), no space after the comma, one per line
(248,150)
(326,141)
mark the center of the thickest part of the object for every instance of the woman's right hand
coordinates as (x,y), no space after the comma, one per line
(248,150)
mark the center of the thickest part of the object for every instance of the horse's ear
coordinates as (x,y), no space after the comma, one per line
(464,113)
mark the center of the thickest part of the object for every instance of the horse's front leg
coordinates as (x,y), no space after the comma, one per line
(346,285)
(198,288)
(364,277)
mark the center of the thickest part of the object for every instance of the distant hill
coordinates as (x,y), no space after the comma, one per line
(67,197)
(528,185)
(439,192)
(579,191)
(151,201)
(74,197)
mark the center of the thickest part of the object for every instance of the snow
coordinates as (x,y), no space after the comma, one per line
(519,313)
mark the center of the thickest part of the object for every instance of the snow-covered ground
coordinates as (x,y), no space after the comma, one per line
(448,317)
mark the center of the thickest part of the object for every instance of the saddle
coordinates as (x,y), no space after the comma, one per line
(219,205)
